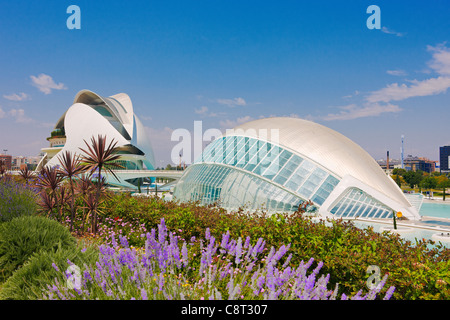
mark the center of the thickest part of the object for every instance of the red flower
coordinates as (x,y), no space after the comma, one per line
(116,218)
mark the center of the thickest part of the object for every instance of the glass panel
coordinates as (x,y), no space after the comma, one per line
(210,183)
(318,199)
(277,164)
(218,151)
(252,156)
(230,156)
(264,159)
(307,189)
(348,209)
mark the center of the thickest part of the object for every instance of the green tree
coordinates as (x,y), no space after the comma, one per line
(428,183)
(443,183)
(398,171)
(398,181)
(413,178)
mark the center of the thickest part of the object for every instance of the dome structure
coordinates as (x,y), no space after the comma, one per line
(92,115)
(279,163)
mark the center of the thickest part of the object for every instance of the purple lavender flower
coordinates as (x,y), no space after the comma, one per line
(389,293)
(238,250)
(224,243)
(163,257)
(162,231)
(247,242)
(144,294)
(184,253)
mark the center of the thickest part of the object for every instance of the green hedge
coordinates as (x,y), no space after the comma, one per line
(23,236)
(27,282)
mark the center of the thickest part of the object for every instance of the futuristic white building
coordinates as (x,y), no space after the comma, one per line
(279,163)
(91,115)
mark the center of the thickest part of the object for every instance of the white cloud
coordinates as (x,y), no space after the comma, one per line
(17,97)
(351,95)
(440,63)
(19,115)
(441,59)
(352,111)
(232,102)
(46,84)
(147,118)
(389,31)
(230,124)
(379,101)
(396,72)
(396,92)
(202,110)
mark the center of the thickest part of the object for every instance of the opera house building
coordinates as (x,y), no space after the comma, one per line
(91,115)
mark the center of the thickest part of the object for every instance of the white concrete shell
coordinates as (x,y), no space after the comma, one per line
(92,115)
(359,182)
(335,153)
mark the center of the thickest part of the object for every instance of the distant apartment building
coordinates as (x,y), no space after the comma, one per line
(444,157)
(417,163)
(6,160)
(389,165)
(20,162)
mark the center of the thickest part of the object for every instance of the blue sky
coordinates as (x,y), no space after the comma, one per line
(227,62)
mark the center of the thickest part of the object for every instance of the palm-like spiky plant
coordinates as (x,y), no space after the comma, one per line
(2,168)
(70,168)
(49,180)
(83,187)
(96,158)
(26,174)
(47,202)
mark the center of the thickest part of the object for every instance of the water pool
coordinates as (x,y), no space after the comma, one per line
(440,210)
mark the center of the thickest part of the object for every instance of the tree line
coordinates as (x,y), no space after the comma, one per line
(421,180)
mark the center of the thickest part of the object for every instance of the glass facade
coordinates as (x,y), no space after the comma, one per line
(356,203)
(269,175)
(210,183)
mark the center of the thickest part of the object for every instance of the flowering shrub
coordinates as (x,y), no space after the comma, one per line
(15,199)
(131,229)
(346,250)
(167,269)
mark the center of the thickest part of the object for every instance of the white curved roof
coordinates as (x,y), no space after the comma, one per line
(81,123)
(119,104)
(326,147)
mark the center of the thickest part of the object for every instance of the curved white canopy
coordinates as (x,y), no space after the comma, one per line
(326,147)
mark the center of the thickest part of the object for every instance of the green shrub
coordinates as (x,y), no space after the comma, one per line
(23,236)
(28,282)
(16,200)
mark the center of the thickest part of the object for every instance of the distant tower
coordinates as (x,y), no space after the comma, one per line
(387,162)
(403,166)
